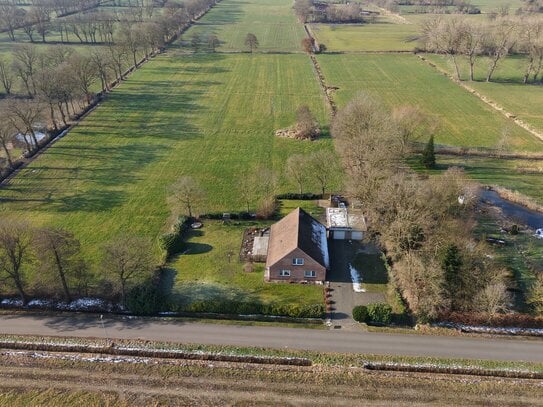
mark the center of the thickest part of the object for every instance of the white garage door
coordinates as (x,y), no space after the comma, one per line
(357,235)
(339,234)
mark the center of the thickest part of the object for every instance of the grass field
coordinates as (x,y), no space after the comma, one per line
(381,36)
(272,21)
(506,87)
(398,80)
(208,116)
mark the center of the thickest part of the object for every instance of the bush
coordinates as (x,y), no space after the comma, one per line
(172,242)
(266,208)
(145,299)
(380,314)
(360,313)
(308,196)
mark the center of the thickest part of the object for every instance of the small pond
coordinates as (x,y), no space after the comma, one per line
(515,212)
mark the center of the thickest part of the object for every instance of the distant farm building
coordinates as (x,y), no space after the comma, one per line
(297,249)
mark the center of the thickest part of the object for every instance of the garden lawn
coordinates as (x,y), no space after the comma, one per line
(272,21)
(210,269)
(209,116)
(380,36)
(506,88)
(398,80)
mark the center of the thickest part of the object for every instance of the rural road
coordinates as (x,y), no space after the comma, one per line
(88,325)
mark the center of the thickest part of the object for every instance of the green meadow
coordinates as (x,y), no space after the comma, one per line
(210,116)
(506,87)
(463,120)
(380,36)
(272,21)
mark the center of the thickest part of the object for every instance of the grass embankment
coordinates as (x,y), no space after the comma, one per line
(272,21)
(335,379)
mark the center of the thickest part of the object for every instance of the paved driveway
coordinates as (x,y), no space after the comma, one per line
(342,253)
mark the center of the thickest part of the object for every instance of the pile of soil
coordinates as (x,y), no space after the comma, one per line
(294,133)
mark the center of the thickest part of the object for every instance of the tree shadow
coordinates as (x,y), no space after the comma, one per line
(196,248)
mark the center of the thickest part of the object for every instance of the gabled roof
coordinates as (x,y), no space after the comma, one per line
(298,230)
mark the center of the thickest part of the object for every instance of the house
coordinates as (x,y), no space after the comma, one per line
(297,249)
(345,225)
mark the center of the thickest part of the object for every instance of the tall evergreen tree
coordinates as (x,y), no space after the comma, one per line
(429,155)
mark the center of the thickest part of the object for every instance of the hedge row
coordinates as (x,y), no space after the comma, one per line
(302,197)
(252,308)
(172,242)
(233,215)
(498,320)
(376,314)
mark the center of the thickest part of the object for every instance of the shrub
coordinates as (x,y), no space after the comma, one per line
(308,196)
(248,267)
(145,299)
(380,313)
(360,313)
(266,208)
(172,242)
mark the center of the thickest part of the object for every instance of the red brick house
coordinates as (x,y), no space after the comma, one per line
(297,249)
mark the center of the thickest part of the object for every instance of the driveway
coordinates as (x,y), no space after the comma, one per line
(342,254)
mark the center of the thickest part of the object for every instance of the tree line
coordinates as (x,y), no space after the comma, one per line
(423,224)
(495,39)
(80,21)
(55,84)
(49,263)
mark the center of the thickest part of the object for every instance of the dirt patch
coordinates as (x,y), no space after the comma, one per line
(247,243)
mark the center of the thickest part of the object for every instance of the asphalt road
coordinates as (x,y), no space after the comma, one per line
(88,325)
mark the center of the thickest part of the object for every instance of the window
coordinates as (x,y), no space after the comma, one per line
(298,262)
(284,273)
(310,274)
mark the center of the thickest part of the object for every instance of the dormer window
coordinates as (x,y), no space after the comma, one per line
(297,261)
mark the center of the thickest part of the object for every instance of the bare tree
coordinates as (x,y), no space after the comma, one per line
(213,42)
(322,166)
(531,43)
(102,67)
(297,170)
(84,73)
(15,253)
(187,192)
(474,38)
(7,134)
(6,76)
(307,125)
(59,253)
(23,114)
(251,41)
(25,60)
(128,258)
(413,124)
(500,41)
(493,299)
(446,35)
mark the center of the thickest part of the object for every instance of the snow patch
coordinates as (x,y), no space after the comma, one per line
(357,280)
(320,239)
(492,329)
(12,302)
(22,137)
